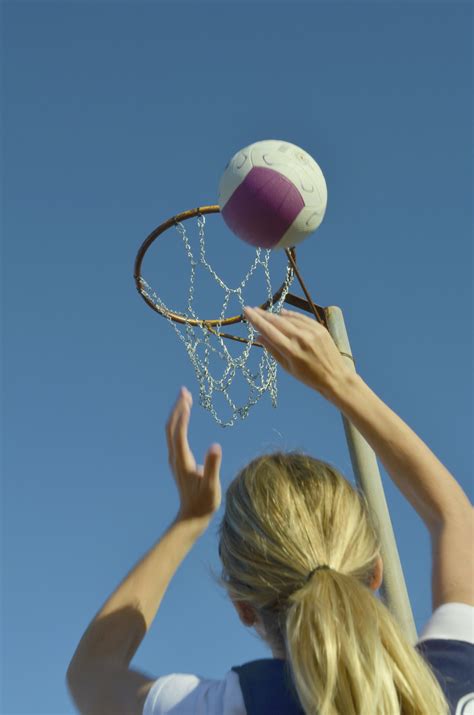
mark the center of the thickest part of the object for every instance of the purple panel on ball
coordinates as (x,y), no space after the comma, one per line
(263,207)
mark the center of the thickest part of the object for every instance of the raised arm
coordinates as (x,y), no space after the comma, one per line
(420,476)
(429,487)
(305,349)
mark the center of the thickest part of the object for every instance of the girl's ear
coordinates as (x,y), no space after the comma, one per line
(378,575)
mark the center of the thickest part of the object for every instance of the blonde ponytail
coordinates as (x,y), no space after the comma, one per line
(286,514)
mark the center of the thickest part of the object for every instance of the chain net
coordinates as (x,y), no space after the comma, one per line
(201,342)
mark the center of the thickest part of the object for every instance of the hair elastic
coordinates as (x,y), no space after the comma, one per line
(318,568)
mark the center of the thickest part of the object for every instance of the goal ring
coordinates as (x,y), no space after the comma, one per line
(212,323)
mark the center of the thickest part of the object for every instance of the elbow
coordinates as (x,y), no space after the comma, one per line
(78,693)
(71,674)
(75,686)
(71,681)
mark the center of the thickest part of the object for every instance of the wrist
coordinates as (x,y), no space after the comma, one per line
(196,525)
(342,391)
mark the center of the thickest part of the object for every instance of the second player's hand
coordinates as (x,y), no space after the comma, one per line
(302,346)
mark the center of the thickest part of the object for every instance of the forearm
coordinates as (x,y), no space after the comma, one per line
(417,472)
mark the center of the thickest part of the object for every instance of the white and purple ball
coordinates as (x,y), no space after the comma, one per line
(272,194)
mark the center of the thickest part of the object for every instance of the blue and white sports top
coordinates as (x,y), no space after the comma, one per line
(262,687)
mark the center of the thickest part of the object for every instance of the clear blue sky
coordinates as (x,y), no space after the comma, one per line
(119,115)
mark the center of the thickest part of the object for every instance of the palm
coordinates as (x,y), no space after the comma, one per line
(198,485)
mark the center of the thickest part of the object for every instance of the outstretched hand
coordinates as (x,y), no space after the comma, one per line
(198,485)
(302,346)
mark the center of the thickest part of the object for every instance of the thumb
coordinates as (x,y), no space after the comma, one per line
(212,463)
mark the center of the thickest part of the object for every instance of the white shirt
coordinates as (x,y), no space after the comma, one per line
(182,694)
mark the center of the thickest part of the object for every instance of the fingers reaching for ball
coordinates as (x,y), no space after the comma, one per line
(302,346)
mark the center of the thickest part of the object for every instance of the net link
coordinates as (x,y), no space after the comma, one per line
(201,343)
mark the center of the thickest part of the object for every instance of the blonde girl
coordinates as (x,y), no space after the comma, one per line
(301,563)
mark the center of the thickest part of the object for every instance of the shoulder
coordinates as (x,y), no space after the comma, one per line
(447,644)
(188,694)
(451,621)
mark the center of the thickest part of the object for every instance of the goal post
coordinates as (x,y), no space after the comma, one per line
(367,474)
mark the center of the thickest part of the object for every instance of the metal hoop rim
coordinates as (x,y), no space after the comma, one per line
(177,318)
